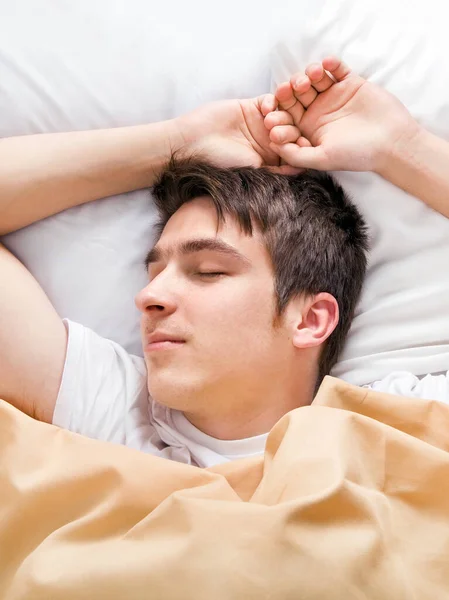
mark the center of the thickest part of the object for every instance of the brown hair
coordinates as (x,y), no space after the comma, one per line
(315,235)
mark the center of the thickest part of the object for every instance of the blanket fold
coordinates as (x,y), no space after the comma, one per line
(350,501)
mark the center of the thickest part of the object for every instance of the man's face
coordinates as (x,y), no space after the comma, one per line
(208,331)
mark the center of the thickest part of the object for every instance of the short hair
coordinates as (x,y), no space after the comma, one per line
(315,236)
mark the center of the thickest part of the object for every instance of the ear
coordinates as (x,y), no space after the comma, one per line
(316,318)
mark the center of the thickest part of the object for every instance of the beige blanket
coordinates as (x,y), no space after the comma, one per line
(350,501)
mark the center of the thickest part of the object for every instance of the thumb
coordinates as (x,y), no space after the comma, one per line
(306,157)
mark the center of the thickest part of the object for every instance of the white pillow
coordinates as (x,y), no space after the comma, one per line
(95,64)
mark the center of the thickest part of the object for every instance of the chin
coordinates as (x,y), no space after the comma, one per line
(170,392)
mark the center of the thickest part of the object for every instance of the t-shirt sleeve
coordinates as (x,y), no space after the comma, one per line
(428,387)
(103,393)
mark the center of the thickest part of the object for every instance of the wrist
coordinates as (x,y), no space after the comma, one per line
(149,148)
(183,133)
(179,134)
(402,152)
(419,167)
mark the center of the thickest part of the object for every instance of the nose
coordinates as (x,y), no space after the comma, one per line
(156,298)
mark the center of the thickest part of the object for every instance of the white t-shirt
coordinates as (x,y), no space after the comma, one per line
(104,395)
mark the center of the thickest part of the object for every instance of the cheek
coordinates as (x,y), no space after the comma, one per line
(239,311)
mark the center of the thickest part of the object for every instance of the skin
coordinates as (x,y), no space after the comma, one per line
(231,353)
(41,175)
(330,118)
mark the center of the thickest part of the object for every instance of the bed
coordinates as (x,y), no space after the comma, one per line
(73,66)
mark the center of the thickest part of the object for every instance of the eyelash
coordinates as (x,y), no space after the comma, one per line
(210,274)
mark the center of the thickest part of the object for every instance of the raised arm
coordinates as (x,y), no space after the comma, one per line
(421,168)
(41,175)
(332,119)
(44,174)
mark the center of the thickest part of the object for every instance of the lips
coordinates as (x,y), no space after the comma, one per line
(159,336)
(159,340)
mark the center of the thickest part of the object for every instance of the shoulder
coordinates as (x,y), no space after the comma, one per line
(103,392)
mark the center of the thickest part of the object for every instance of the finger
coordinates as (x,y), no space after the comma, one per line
(284,134)
(303,90)
(279,117)
(285,170)
(319,79)
(287,101)
(303,142)
(338,69)
(306,157)
(267,103)
(284,95)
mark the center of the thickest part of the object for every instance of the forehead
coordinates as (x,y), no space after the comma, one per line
(198,219)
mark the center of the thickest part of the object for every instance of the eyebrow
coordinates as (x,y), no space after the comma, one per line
(191,247)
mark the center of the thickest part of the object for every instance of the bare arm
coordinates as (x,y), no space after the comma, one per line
(32,342)
(421,168)
(41,175)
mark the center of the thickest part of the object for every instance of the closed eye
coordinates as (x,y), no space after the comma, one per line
(210,274)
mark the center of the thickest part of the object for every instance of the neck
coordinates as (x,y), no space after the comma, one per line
(247,416)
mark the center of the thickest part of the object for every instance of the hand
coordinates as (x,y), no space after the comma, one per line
(332,119)
(231,133)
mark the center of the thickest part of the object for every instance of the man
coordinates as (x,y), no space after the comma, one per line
(95,164)
(253,284)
